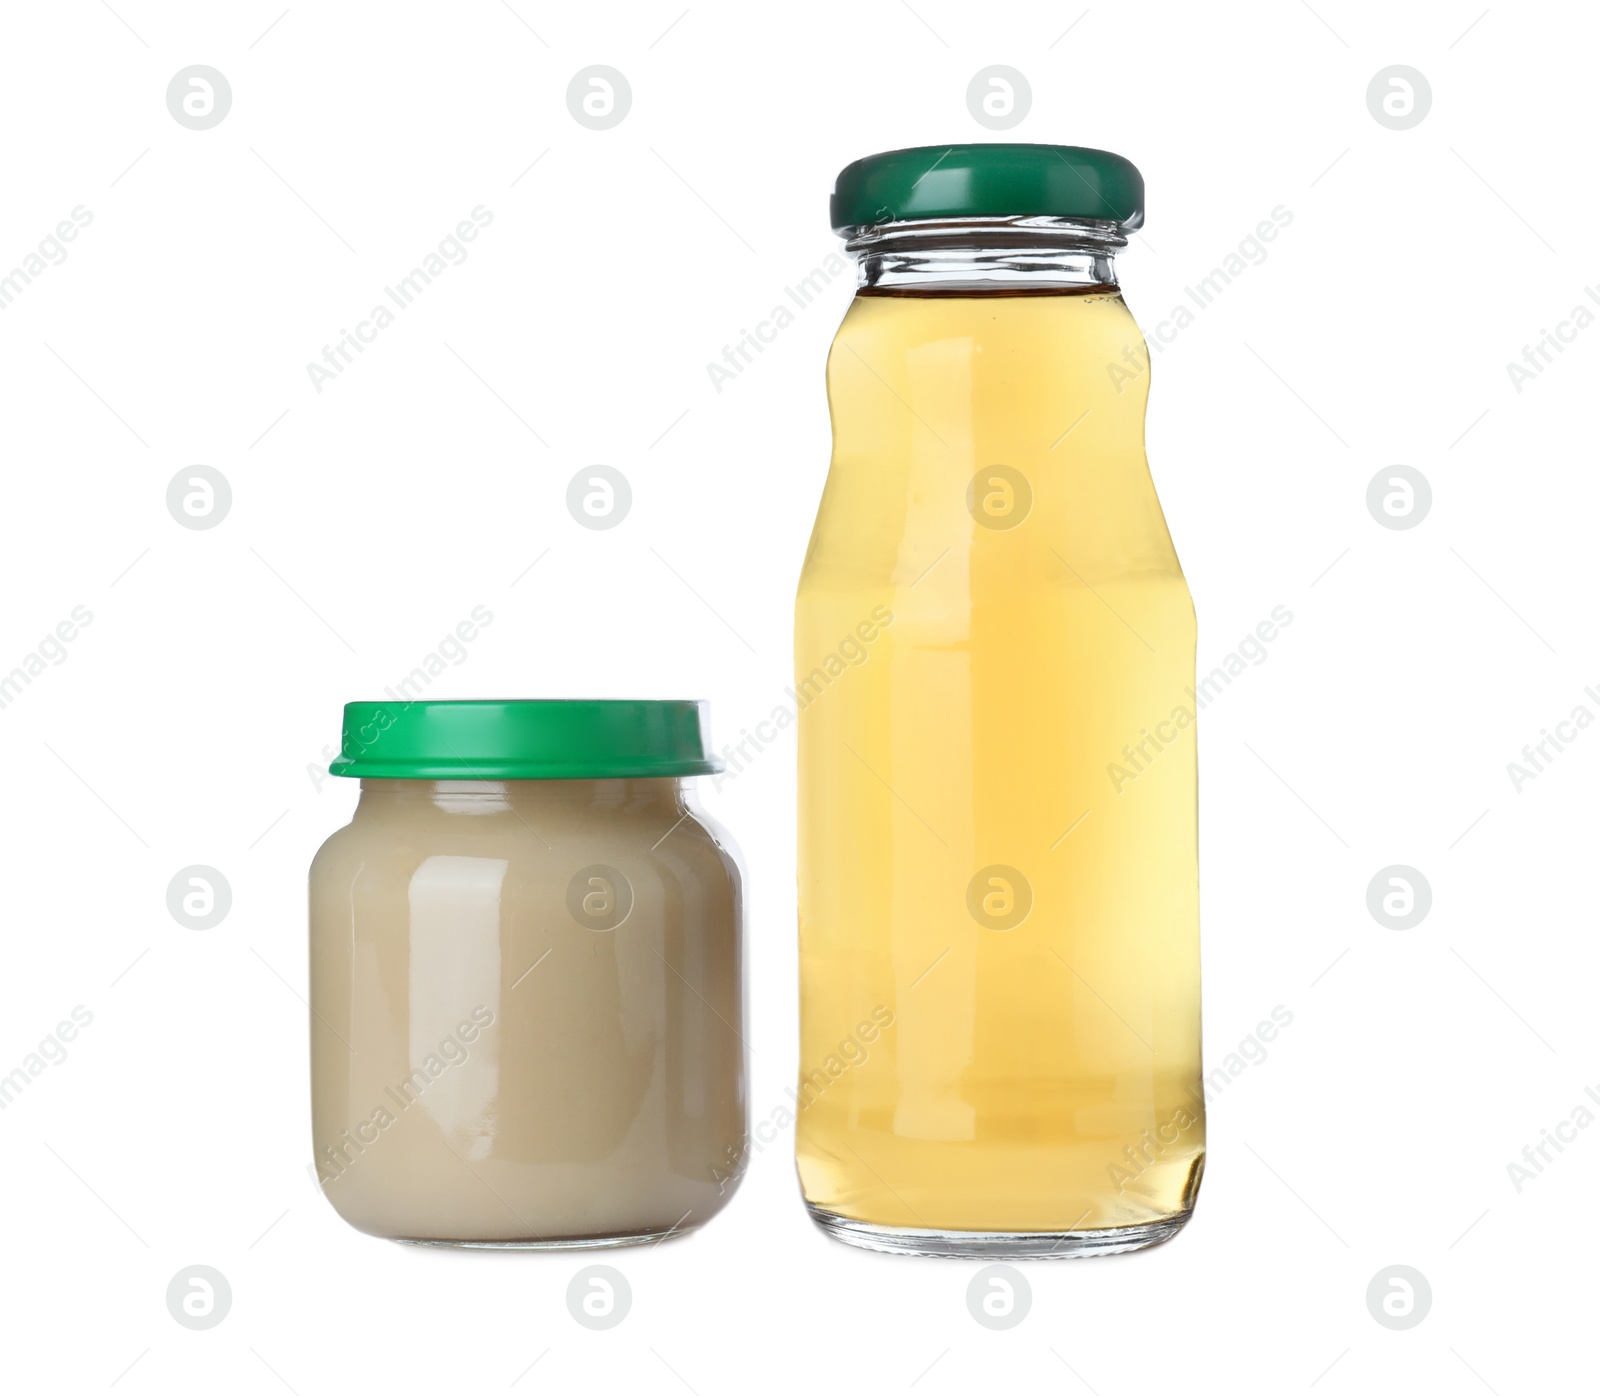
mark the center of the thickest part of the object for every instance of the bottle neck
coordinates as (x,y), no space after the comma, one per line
(979,255)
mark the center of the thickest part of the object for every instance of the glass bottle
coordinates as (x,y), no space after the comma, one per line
(995,652)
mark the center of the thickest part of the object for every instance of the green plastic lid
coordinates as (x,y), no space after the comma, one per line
(525,739)
(988,181)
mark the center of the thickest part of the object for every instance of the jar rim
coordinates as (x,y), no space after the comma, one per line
(525,739)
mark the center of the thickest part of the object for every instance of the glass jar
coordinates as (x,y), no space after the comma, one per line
(526,978)
(997,822)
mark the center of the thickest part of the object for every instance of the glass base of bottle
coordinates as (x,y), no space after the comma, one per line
(559,1243)
(997,1245)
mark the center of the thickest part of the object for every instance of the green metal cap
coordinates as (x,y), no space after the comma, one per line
(988,181)
(525,739)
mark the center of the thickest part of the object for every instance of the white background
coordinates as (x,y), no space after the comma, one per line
(369,519)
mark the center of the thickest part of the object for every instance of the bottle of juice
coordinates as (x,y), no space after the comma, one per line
(994,644)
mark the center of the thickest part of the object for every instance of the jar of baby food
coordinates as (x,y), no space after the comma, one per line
(997,857)
(527,977)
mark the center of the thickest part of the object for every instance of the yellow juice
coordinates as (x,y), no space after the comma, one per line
(999,920)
